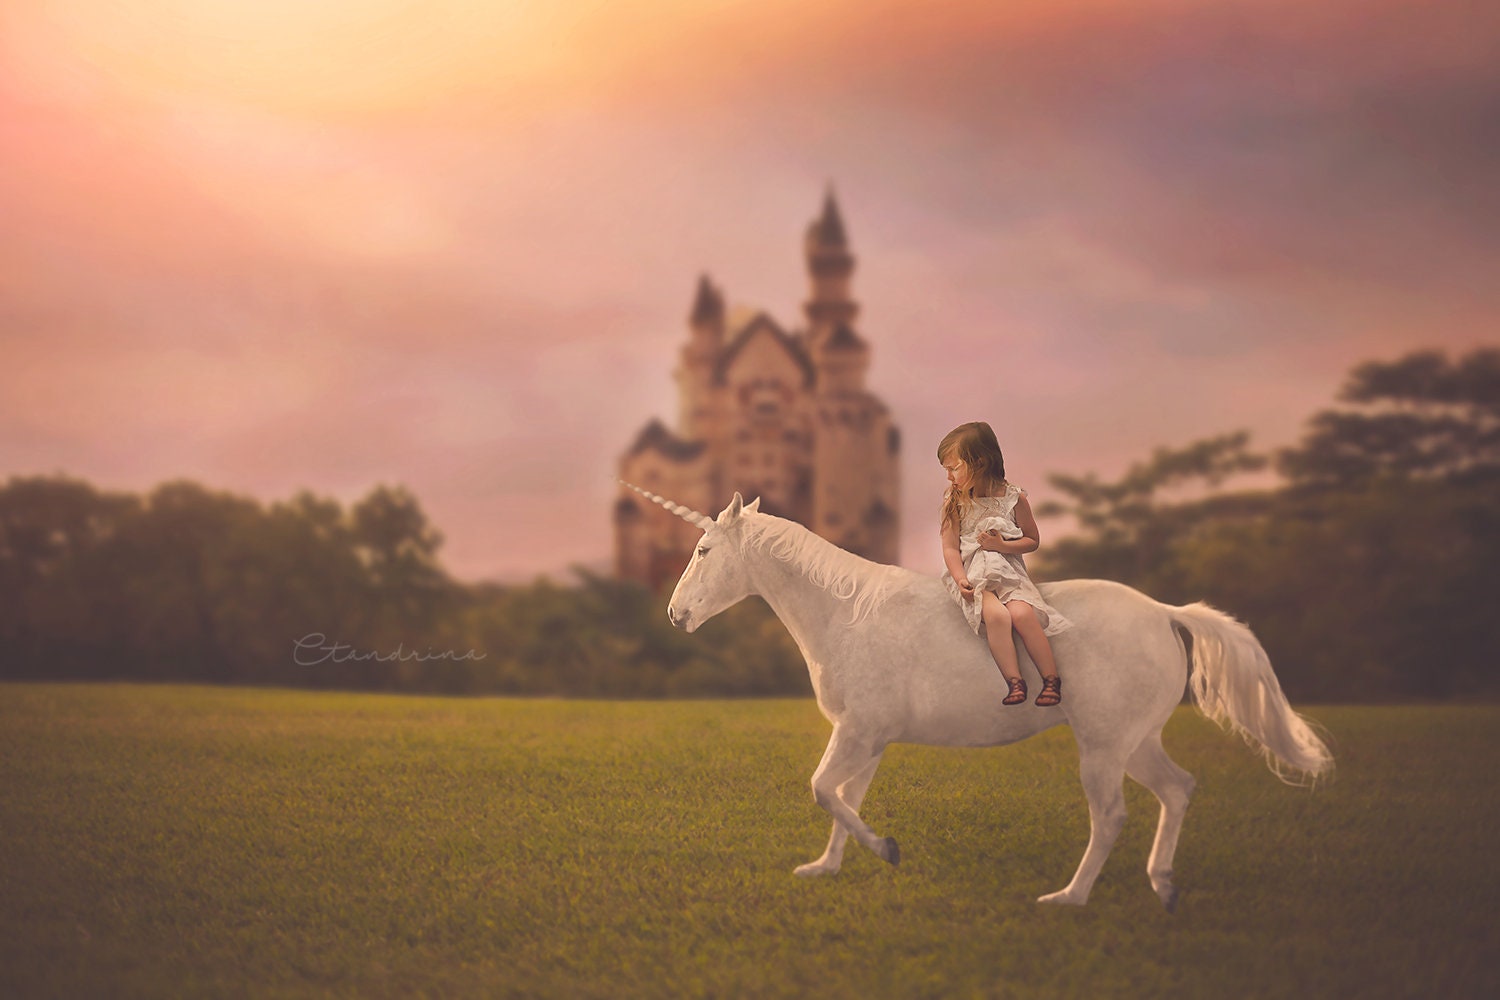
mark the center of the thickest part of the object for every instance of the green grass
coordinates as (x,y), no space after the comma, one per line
(195,841)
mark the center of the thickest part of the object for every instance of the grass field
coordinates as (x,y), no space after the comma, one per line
(175,841)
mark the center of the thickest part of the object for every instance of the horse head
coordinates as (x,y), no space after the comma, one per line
(716,577)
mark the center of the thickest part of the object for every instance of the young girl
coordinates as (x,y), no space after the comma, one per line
(987,524)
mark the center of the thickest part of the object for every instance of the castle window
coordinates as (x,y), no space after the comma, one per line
(763,400)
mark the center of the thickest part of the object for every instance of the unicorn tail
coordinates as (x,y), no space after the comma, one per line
(1233,684)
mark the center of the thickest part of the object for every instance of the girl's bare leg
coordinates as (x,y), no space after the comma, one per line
(997,624)
(1024,620)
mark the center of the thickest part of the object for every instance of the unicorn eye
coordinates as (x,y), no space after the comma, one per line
(702,551)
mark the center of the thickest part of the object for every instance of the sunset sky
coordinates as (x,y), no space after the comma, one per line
(271,245)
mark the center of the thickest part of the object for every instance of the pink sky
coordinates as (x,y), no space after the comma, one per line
(273,246)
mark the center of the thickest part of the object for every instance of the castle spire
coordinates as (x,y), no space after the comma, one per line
(708,304)
(828,230)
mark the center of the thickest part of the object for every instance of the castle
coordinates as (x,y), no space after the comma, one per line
(766,412)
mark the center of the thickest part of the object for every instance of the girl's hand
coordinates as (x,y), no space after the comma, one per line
(966,589)
(987,540)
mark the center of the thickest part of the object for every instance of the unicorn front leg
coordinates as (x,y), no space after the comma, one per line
(845,760)
(853,793)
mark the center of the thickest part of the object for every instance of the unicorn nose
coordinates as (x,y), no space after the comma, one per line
(672,616)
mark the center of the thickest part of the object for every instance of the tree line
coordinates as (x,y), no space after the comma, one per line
(190,584)
(1368,567)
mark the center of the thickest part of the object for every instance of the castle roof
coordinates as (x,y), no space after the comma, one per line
(761,321)
(656,437)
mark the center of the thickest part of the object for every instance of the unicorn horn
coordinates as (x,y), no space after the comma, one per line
(686,513)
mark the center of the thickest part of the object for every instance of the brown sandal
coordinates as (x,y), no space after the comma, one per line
(1017,691)
(1051,692)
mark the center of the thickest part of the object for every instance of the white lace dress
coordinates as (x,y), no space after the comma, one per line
(1003,573)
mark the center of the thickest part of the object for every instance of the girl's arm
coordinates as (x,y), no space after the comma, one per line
(954,562)
(1030,538)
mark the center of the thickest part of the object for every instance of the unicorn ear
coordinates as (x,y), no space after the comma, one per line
(753,507)
(733,510)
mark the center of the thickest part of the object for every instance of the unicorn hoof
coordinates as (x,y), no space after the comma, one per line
(1063,898)
(889,851)
(814,868)
(1169,898)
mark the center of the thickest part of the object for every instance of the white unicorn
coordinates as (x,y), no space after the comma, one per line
(893,661)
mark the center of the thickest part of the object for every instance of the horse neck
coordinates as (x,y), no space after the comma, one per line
(809,612)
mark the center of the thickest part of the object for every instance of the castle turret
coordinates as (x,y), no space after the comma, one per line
(830,265)
(700,354)
(707,318)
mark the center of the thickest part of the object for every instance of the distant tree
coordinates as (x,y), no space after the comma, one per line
(1126,525)
(394,538)
(398,547)
(189,549)
(49,526)
(1420,416)
(297,574)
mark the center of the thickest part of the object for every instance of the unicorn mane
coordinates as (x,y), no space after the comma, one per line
(840,572)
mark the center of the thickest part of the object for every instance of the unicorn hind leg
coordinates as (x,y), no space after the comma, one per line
(1103,773)
(1172,786)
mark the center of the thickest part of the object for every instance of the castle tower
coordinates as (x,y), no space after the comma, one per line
(700,355)
(856,449)
(830,265)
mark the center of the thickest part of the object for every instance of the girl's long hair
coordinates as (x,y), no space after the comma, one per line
(973,444)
